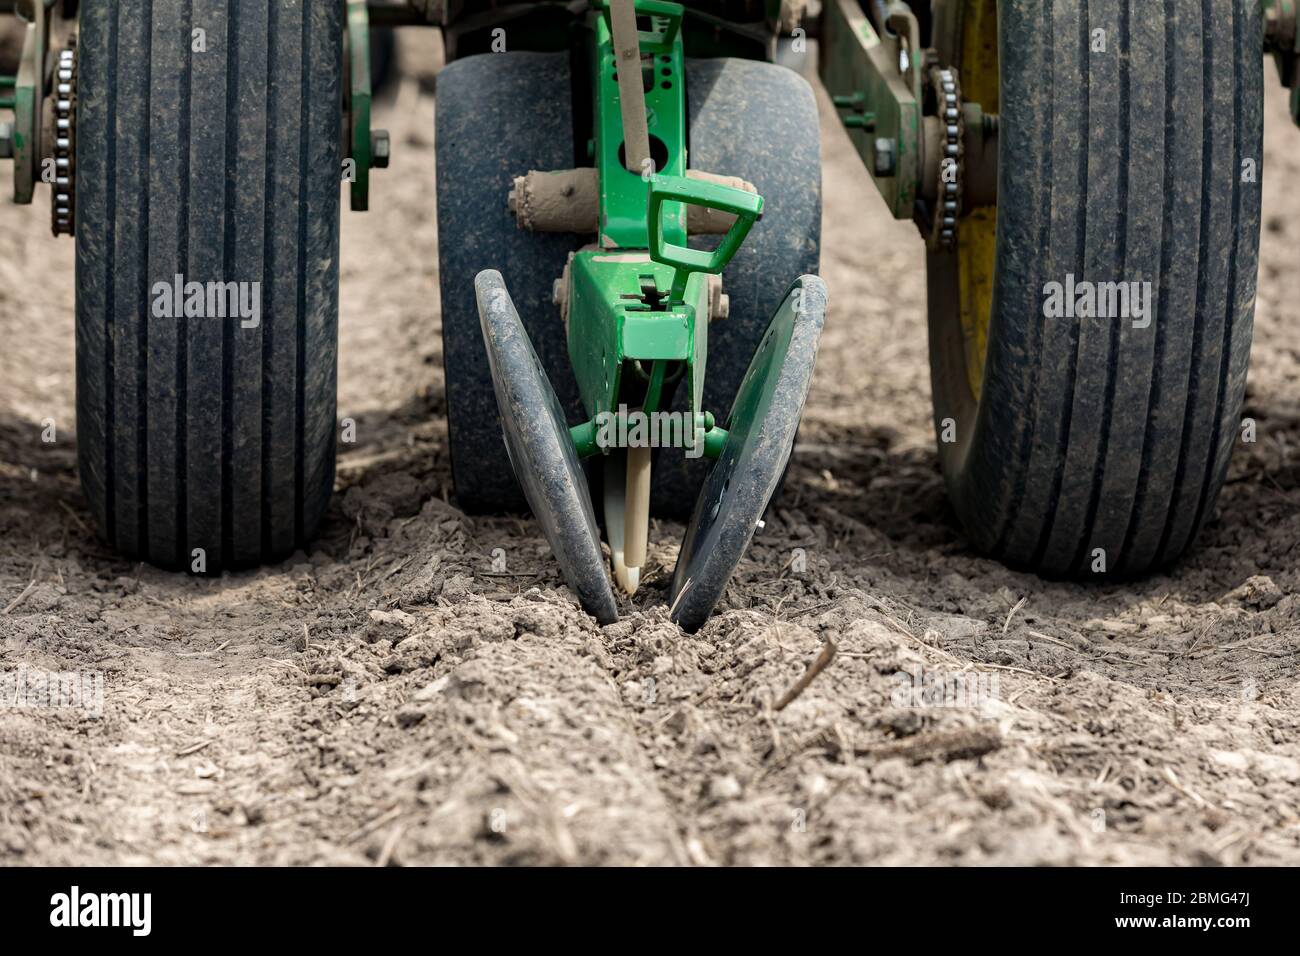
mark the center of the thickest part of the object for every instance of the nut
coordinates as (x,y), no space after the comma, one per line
(380,148)
(886,157)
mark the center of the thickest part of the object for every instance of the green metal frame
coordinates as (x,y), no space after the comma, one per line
(27,102)
(359,103)
(623,193)
(639,304)
(881,105)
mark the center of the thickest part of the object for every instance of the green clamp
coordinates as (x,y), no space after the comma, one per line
(747,207)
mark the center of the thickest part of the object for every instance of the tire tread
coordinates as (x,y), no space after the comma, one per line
(178,160)
(1123,435)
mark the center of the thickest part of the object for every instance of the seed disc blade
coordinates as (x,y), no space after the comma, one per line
(761,429)
(541,450)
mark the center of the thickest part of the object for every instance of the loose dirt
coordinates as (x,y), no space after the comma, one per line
(421,689)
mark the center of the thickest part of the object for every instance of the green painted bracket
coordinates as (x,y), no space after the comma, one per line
(614,321)
(882,106)
(26,143)
(623,193)
(359,102)
(28,103)
(638,306)
(747,207)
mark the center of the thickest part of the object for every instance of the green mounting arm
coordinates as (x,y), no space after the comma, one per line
(28,101)
(622,223)
(618,317)
(873,73)
(745,206)
(359,102)
(367,148)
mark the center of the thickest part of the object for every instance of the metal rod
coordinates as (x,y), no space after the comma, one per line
(631,91)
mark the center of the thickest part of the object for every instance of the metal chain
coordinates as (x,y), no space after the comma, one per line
(952,124)
(64,210)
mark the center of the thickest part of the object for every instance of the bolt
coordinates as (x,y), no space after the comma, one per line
(380,148)
(6,140)
(864,121)
(886,157)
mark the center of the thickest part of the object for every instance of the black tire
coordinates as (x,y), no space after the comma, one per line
(499,115)
(757,121)
(1120,166)
(220,166)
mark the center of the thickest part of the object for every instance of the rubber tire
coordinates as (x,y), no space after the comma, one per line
(489,129)
(757,121)
(201,433)
(1093,434)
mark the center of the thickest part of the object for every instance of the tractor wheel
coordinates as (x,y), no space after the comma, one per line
(207,442)
(757,121)
(1129,152)
(499,115)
